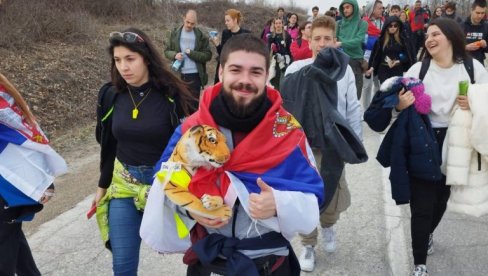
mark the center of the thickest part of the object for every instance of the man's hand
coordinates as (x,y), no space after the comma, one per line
(262,205)
(406,99)
(187,51)
(209,223)
(473,46)
(463,103)
(483,43)
(179,56)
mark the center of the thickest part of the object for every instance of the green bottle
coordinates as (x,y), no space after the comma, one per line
(463,88)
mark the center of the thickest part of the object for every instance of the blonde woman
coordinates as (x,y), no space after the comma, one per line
(391,55)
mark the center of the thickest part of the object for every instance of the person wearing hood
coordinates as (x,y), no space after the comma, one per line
(451,13)
(374,17)
(476,31)
(392,54)
(350,34)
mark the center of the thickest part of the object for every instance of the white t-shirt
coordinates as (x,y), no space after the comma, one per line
(442,84)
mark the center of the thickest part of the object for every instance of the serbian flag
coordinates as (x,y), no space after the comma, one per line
(28,165)
(276,150)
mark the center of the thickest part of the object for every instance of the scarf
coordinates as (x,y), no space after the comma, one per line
(275,139)
(223,115)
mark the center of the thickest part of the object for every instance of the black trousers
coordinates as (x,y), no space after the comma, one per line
(358,74)
(419,40)
(15,253)
(195,84)
(428,202)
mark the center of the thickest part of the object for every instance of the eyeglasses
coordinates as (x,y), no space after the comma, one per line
(393,26)
(126,36)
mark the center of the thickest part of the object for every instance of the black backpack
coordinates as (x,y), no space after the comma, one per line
(105,104)
(468,64)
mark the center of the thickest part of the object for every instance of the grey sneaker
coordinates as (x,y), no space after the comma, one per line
(329,239)
(307,259)
(420,270)
(430,249)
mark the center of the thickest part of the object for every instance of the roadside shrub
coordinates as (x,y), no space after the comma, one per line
(25,22)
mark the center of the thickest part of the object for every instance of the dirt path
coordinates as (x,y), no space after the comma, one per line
(81,151)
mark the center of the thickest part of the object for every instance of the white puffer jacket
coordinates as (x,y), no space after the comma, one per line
(466,170)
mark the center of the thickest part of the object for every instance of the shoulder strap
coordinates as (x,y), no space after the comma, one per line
(106,98)
(105,102)
(424,68)
(468,64)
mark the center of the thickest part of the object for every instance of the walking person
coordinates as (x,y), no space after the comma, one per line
(391,54)
(338,197)
(279,42)
(136,115)
(300,48)
(189,45)
(351,31)
(315,14)
(418,19)
(28,166)
(374,18)
(419,137)
(233,19)
(293,26)
(476,31)
(272,197)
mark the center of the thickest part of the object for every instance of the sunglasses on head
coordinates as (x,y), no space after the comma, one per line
(126,36)
(393,26)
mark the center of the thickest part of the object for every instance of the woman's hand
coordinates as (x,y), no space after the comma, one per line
(99,195)
(405,99)
(463,102)
(209,223)
(48,194)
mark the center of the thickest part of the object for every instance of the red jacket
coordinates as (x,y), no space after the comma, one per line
(417,19)
(300,52)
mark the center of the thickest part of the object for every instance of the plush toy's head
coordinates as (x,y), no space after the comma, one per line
(202,146)
(423,102)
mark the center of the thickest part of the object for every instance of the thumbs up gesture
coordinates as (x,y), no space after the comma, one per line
(262,205)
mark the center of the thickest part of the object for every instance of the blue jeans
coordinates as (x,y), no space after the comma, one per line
(124,223)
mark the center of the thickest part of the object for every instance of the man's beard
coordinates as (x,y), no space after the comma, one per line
(238,108)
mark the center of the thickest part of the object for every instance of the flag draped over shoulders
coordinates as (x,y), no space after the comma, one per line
(28,165)
(276,150)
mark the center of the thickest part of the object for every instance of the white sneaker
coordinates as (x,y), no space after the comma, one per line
(307,259)
(329,239)
(420,270)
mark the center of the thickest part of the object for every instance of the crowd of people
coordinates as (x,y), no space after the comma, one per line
(290,103)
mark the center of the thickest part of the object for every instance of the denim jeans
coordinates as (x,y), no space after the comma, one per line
(124,223)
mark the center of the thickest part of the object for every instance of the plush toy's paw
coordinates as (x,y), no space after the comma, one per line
(212,202)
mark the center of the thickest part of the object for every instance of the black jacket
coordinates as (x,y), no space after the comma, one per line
(311,96)
(476,33)
(402,51)
(409,148)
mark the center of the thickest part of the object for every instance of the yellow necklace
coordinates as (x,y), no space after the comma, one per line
(135,111)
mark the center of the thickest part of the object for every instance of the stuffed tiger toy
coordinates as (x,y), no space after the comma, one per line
(200,146)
